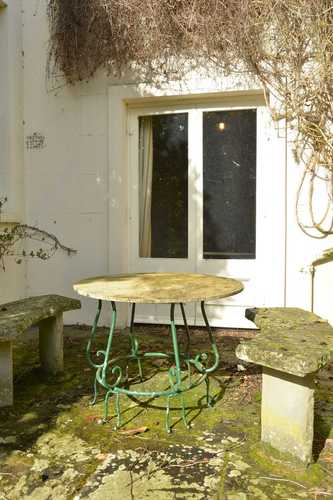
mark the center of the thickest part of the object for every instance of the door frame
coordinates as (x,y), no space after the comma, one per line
(125,100)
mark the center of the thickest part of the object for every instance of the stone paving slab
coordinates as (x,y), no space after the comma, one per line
(53,445)
(177,472)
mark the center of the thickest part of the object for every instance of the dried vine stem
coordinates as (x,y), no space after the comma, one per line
(11,236)
(277,40)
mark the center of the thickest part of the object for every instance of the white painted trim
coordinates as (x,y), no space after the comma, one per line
(117,186)
(125,104)
(255,97)
(136,263)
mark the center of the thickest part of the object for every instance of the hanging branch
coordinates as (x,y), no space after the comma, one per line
(11,237)
(161,40)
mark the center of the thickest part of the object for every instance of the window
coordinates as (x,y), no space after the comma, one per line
(229,184)
(227,164)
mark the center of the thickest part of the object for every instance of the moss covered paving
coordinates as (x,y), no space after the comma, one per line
(53,443)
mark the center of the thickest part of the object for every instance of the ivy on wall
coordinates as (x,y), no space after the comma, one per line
(286,44)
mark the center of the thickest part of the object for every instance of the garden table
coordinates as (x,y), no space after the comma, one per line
(154,288)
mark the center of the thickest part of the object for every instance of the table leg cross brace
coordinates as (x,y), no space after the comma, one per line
(110,375)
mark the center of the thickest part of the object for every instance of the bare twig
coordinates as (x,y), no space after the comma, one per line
(283,480)
(11,236)
(45,234)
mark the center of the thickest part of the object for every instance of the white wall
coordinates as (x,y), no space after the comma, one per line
(301,251)
(75,186)
(13,280)
(66,181)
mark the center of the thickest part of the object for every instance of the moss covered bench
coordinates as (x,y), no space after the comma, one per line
(292,346)
(15,317)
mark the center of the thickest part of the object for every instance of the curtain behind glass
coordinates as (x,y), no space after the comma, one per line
(145,184)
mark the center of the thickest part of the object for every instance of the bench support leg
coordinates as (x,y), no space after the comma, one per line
(51,344)
(287,413)
(6,374)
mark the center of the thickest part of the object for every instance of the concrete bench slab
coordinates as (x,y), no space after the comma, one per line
(46,312)
(291,340)
(292,346)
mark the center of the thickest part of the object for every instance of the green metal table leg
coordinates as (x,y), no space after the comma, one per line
(105,366)
(177,371)
(187,350)
(175,344)
(118,411)
(93,402)
(106,405)
(210,400)
(212,341)
(105,370)
(135,343)
(88,349)
(109,343)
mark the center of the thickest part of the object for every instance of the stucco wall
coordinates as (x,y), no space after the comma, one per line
(66,179)
(75,188)
(301,251)
(13,280)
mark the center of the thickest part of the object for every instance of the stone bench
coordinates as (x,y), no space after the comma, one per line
(292,346)
(15,317)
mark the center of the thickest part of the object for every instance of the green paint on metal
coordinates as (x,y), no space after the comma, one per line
(119,383)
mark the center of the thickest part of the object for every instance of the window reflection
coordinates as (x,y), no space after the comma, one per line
(229,184)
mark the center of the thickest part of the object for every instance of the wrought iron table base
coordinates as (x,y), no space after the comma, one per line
(177,387)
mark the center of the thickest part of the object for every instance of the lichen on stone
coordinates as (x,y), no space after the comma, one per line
(63,451)
(290,340)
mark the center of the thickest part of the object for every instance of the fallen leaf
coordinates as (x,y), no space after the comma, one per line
(133,432)
(92,418)
(102,456)
(328,459)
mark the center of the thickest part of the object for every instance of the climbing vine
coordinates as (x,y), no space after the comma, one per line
(286,44)
(12,235)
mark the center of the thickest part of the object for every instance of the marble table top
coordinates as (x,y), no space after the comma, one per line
(158,288)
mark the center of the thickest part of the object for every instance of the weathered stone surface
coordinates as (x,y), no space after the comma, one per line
(6,374)
(161,474)
(51,350)
(156,288)
(292,346)
(291,340)
(16,317)
(278,317)
(287,413)
(60,443)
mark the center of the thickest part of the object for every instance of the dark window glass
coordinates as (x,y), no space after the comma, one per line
(163,153)
(229,184)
